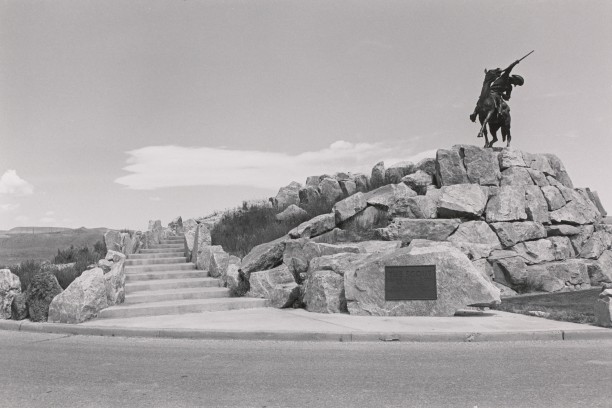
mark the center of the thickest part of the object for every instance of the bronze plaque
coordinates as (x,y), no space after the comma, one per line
(416,282)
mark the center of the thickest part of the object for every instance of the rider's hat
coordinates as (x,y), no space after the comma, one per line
(517,80)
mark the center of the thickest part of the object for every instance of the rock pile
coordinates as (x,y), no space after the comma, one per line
(513,217)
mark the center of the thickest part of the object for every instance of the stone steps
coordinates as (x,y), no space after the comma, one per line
(176,294)
(156,260)
(152,276)
(160,281)
(159,268)
(162,284)
(181,306)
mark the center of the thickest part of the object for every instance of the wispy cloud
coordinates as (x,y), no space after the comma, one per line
(156,167)
(9,207)
(11,183)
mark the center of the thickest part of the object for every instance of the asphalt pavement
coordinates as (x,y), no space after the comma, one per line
(58,370)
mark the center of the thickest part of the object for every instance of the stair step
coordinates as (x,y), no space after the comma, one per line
(173,241)
(148,276)
(180,307)
(169,246)
(159,268)
(161,251)
(155,261)
(156,255)
(164,284)
(176,294)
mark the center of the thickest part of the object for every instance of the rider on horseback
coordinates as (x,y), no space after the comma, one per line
(500,84)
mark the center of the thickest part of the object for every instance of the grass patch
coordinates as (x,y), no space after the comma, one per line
(575,307)
(241,229)
(81,257)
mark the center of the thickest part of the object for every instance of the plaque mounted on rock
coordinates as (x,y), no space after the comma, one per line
(416,282)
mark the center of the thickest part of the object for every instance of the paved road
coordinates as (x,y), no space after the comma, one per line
(43,370)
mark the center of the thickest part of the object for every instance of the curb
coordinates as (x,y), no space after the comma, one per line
(455,337)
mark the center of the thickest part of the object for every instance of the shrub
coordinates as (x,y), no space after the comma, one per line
(25,271)
(244,228)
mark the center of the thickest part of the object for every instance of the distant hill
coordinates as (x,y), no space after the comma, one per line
(35,230)
(16,246)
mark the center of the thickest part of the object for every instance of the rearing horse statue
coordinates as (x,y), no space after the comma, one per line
(494,113)
(491,107)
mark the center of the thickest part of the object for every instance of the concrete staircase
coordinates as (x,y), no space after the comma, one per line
(160,281)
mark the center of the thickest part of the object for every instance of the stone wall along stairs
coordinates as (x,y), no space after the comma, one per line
(160,281)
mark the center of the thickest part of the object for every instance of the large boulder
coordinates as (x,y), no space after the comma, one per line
(200,253)
(603,309)
(577,211)
(362,182)
(176,226)
(536,206)
(596,245)
(554,198)
(578,240)
(276,285)
(219,261)
(407,229)
(449,168)
(418,181)
(509,157)
(459,284)
(287,196)
(511,233)
(370,218)
(571,274)
(112,239)
(114,279)
(516,176)
(461,200)
(82,299)
(41,291)
(191,231)
(324,293)
(298,254)
(292,212)
(330,190)
(482,165)
(533,252)
(560,173)
(10,286)
(310,196)
(348,207)
(19,307)
(377,177)
(386,197)
(264,256)
(421,206)
(507,204)
(600,270)
(475,239)
(231,277)
(315,226)
(594,197)
(395,173)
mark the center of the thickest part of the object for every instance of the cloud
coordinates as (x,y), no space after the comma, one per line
(11,183)
(156,167)
(155,198)
(9,207)
(47,220)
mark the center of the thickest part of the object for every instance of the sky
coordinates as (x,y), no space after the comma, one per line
(113,113)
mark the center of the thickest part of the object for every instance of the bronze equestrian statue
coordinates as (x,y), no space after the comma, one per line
(491,107)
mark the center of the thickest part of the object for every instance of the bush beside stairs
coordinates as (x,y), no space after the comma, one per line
(160,281)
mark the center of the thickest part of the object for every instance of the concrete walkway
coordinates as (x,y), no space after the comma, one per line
(299,325)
